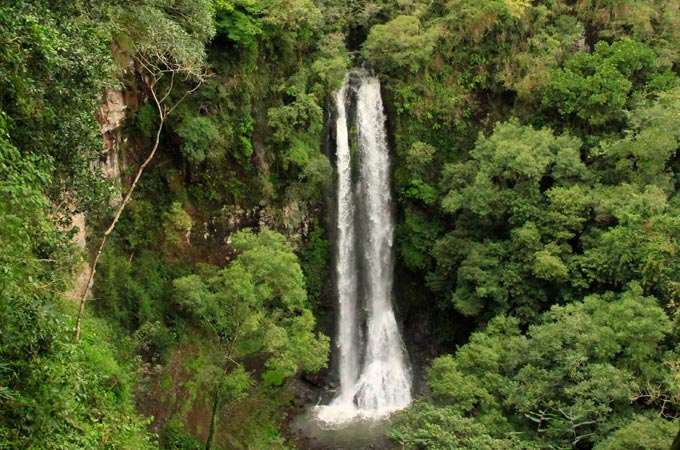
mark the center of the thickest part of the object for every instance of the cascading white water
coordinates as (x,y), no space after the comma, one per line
(346,275)
(374,374)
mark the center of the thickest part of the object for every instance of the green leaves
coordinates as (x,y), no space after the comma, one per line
(57,394)
(252,318)
(423,426)
(548,266)
(506,169)
(596,87)
(167,35)
(296,128)
(62,395)
(239,21)
(400,44)
(642,433)
(55,64)
(570,378)
(519,199)
(303,113)
(274,268)
(199,134)
(332,64)
(257,307)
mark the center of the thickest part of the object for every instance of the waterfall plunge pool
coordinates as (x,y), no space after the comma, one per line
(346,429)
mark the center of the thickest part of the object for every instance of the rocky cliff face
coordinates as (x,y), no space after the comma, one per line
(111,118)
(209,240)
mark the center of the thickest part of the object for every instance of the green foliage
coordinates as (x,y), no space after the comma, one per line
(255,126)
(596,86)
(303,113)
(417,236)
(177,224)
(255,422)
(567,197)
(314,259)
(132,291)
(146,120)
(55,64)
(165,35)
(573,204)
(297,127)
(570,379)
(423,426)
(199,135)
(638,18)
(536,224)
(641,434)
(500,225)
(400,44)
(138,224)
(514,186)
(174,437)
(257,305)
(643,156)
(254,308)
(239,21)
(58,394)
(418,158)
(27,233)
(333,61)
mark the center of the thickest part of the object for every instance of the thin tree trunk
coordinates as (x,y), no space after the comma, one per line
(676,442)
(162,114)
(213,420)
(119,211)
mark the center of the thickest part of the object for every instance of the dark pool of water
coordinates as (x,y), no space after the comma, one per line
(357,435)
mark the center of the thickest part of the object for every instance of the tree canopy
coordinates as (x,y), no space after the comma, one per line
(534,151)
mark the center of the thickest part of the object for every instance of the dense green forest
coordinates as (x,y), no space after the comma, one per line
(535,174)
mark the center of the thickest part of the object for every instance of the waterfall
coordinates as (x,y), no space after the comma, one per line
(373,369)
(345,268)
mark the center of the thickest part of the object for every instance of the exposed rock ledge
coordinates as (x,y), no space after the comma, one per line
(111,117)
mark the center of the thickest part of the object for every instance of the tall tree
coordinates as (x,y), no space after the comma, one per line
(255,307)
(168,45)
